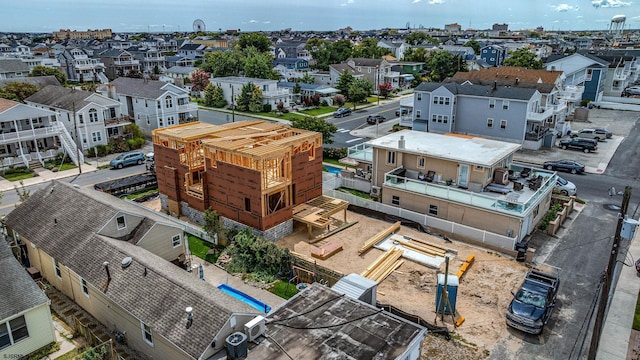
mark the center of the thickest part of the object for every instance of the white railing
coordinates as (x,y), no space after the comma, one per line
(540,115)
(28,134)
(69,145)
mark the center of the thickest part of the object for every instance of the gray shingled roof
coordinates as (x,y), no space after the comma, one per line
(141,88)
(38,81)
(19,291)
(501,92)
(13,66)
(60,97)
(151,289)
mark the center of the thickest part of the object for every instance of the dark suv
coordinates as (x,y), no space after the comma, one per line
(586,145)
(343,111)
(375,119)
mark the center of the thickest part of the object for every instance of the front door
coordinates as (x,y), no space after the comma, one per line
(463,175)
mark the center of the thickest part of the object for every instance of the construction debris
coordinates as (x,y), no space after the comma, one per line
(380,236)
(384,265)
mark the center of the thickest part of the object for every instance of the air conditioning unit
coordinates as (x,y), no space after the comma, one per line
(376,191)
(236,345)
(254,328)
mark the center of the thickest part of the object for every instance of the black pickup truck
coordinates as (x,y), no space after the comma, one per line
(533,303)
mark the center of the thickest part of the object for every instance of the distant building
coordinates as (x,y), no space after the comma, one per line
(89,34)
(455,27)
(500,27)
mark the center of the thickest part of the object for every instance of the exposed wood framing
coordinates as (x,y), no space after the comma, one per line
(316,212)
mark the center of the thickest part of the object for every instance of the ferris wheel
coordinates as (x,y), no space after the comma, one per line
(198,26)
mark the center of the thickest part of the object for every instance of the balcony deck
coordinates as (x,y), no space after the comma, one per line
(510,202)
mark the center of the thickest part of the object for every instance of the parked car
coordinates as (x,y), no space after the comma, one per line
(128,158)
(571,166)
(565,187)
(343,111)
(533,303)
(632,90)
(586,145)
(403,112)
(375,119)
(602,131)
(589,134)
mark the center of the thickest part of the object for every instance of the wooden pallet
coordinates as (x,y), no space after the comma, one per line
(326,251)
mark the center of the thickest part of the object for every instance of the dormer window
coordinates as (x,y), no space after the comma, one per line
(120,222)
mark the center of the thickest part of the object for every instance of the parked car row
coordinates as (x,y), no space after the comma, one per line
(578,143)
(598,134)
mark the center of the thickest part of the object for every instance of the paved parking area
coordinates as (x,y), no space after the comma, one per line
(618,122)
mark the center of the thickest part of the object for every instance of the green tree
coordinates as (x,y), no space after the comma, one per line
(199,80)
(325,52)
(523,58)
(296,88)
(307,78)
(369,48)
(415,54)
(40,70)
(344,81)
(316,124)
(474,45)
(223,63)
(17,91)
(250,98)
(257,40)
(259,65)
(214,96)
(419,38)
(443,64)
(211,223)
(359,90)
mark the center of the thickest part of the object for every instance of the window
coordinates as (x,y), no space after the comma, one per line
(147,335)
(84,286)
(168,102)
(418,112)
(478,168)
(80,119)
(489,123)
(421,162)
(441,100)
(120,222)
(395,200)
(247,204)
(391,157)
(589,74)
(435,99)
(535,211)
(96,136)
(170,121)
(492,104)
(503,124)
(56,268)
(434,118)
(505,104)
(146,103)
(419,96)
(93,115)
(159,105)
(160,122)
(13,331)
(447,101)
(176,240)
(433,210)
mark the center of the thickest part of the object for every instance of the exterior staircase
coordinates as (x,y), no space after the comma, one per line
(68,144)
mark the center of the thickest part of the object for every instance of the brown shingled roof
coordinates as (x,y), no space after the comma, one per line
(6,104)
(506,73)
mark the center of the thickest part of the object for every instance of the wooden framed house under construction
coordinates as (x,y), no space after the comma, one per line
(252,173)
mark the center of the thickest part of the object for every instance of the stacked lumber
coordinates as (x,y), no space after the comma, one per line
(384,265)
(327,250)
(420,247)
(465,266)
(380,236)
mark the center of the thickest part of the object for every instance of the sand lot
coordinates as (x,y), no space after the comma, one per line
(483,294)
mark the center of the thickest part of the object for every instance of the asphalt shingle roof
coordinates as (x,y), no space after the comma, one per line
(61,97)
(13,66)
(502,92)
(19,291)
(151,289)
(38,81)
(141,88)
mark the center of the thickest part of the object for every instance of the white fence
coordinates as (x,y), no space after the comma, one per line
(493,240)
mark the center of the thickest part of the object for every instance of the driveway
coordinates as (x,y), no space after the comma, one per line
(618,122)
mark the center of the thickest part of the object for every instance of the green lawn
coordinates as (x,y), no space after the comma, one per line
(283,289)
(66,166)
(144,193)
(320,111)
(636,317)
(288,116)
(18,176)
(200,248)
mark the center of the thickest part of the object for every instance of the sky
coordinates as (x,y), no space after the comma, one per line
(301,15)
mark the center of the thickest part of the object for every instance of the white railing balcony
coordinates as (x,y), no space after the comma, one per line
(572,93)
(361,153)
(540,115)
(126,62)
(276,93)
(558,108)
(25,135)
(189,107)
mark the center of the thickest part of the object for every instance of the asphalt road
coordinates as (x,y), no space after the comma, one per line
(581,250)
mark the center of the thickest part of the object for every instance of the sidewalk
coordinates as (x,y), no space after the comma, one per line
(45,176)
(615,341)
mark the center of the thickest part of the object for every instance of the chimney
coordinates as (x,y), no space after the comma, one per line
(111,92)
(495,85)
(401,142)
(106,268)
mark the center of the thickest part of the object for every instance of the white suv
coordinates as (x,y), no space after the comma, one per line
(589,134)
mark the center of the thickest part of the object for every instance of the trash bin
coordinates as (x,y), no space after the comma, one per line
(521,248)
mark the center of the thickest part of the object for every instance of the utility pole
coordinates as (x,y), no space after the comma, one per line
(603,303)
(75,126)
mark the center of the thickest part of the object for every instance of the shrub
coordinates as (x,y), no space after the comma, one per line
(266,108)
(324,103)
(550,216)
(135,143)
(334,153)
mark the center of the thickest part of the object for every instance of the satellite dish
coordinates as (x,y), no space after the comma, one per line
(198,26)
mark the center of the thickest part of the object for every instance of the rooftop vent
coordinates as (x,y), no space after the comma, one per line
(126,262)
(189,311)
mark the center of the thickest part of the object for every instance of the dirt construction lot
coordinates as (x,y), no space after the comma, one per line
(483,295)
